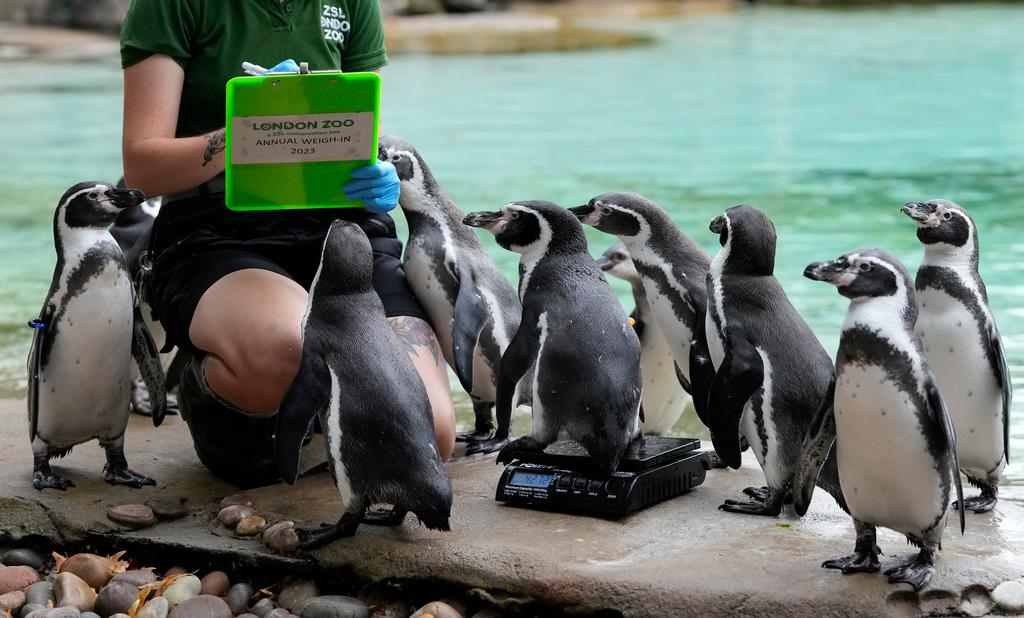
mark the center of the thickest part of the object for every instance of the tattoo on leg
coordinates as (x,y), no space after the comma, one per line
(413,333)
(215,144)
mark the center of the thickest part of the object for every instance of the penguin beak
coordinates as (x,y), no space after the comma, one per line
(920,212)
(125,198)
(491,221)
(717,224)
(604,263)
(830,271)
(587,214)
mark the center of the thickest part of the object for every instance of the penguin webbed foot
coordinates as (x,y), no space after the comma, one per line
(519,445)
(46,479)
(385,517)
(477,435)
(918,572)
(857,562)
(126,476)
(486,446)
(717,463)
(311,538)
(763,501)
(983,503)
(757,494)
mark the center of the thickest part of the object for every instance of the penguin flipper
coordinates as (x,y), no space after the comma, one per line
(995,342)
(304,399)
(821,435)
(702,372)
(940,415)
(35,370)
(739,376)
(469,318)
(519,356)
(147,357)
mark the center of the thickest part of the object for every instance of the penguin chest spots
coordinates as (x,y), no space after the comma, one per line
(664,399)
(676,331)
(424,278)
(886,473)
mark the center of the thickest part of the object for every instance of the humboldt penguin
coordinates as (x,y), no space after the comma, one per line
(664,399)
(894,439)
(85,337)
(472,306)
(584,353)
(373,408)
(963,345)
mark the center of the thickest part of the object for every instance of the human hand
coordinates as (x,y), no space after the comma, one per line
(285,66)
(376,185)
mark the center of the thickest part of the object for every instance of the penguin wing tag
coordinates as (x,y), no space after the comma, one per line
(147,357)
(738,378)
(470,317)
(35,370)
(996,344)
(940,415)
(821,435)
(702,372)
(306,396)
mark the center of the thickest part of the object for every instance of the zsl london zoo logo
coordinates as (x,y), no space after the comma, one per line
(335,24)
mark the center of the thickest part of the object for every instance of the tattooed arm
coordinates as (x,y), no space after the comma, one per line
(156,161)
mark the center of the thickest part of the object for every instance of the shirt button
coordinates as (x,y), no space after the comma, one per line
(288,8)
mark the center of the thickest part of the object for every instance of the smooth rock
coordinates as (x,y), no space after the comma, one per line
(295,595)
(239,596)
(120,616)
(94,570)
(250,526)
(154,608)
(278,612)
(1009,596)
(136,577)
(29,608)
(70,590)
(976,601)
(39,593)
(203,606)
(55,612)
(236,499)
(247,616)
(95,615)
(136,516)
(437,609)
(214,583)
(12,601)
(176,570)
(183,589)
(231,515)
(262,607)
(115,598)
(281,537)
(335,607)
(169,509)
(24,557)
(16,578)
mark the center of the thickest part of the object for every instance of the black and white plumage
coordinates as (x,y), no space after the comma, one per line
(674,270)
(664,398)
(473,308)
(85,337)
(894,439)
(584,353)
(373,407)
(772,376)
(962,344)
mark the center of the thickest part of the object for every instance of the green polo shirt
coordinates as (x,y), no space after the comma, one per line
(211,38)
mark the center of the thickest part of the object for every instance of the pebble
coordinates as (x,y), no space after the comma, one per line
(250,526)
(71,590)
(295,595)
(236,499)
(156,608)
(262,607)
(94,570)
(120,616)
(136,577)
(247,616)
(29,608)
(116,598)
(55,612)
(39,593)
(335,607)
(135,516)
(174,571)
(12,601)
(24,557)
(16,578)
(183,589)
(214,583)
(231,515)
(279,612)
(238,597)
(976,601)
(437,609)
(94,615)
(1009,596)
(281,537)
(203,606)
(169,509)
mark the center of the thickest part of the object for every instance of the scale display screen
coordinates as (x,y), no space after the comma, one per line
(531,479)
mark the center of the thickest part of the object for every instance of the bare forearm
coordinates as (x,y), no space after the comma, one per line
(164,165)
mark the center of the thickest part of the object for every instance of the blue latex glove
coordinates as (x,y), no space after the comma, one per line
(376,185)
(285,66)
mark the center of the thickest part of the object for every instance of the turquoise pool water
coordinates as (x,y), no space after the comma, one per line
(827,120)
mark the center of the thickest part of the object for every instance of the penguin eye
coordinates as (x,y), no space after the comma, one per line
(513,215)
(946,216)
(92,196)
(864,267)
(606,210)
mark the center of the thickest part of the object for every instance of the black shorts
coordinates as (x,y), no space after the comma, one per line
(197,241)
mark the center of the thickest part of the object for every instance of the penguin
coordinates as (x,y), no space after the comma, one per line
(472,306)
(962,344)
(664,399)
(373,408)
(894,439)
(674,270)
(772,375)
(85,337)
(573,332)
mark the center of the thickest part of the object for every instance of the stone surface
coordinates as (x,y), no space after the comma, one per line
(70,590)
(56,612)
(938,602)
(231,515)
(335,606)
(281,538)
(12,601)
(174,571)
(183,589)
(250,526)
(1009,596)
(136,577)
(295,595)
(16,578)
(236,499)
(203,606)
(169,509)
(214,583)
(239,596)
(115,598)
(136,516)
(93,569)
(437,609)
(262,607)
(277,612)
(24,557)
(154,608)
(95,615)
(39,593)
(976,601)
(28,608)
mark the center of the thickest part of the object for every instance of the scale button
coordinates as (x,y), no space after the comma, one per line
(579,483)
(564,481)
(615,486)
(595,486)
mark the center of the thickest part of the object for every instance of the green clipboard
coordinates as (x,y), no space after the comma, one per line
(293,139)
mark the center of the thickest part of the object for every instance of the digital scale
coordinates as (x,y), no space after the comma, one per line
(563,477)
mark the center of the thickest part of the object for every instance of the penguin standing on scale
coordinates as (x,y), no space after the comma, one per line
(85,337)
(574,334)
(962,344)
(472,306)
(894,440)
